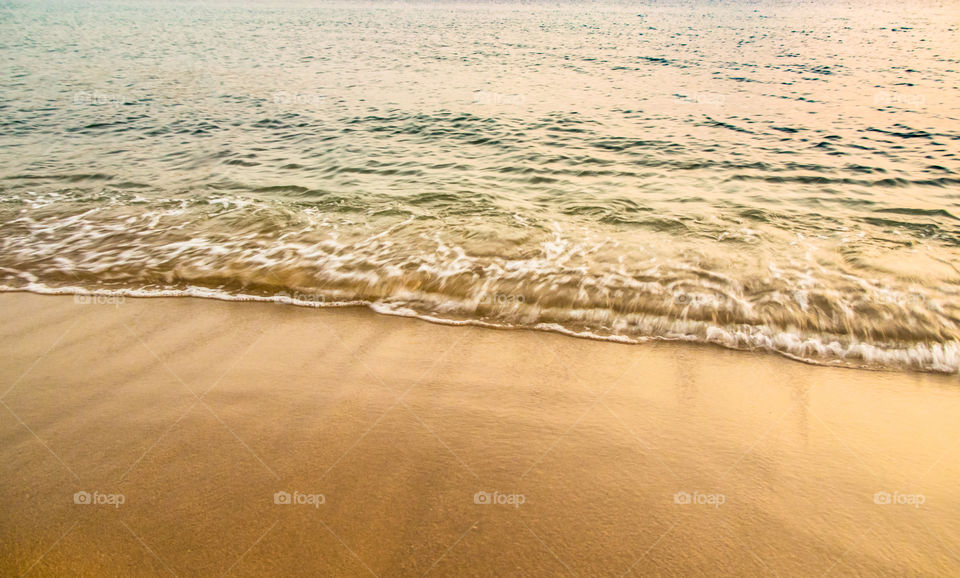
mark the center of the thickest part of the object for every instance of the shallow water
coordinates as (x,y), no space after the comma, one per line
(760,176)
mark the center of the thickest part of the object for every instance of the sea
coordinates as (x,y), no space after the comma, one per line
(760,175)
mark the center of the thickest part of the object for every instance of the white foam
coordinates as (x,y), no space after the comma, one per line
(820,350)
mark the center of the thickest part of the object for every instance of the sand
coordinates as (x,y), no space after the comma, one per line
(184,418)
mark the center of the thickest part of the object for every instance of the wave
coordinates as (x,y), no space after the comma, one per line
(809,348)
(607,268)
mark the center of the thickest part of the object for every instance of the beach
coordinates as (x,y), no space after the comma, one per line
(296,288)
(198,437)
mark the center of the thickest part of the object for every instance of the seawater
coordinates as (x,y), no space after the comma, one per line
(763,175)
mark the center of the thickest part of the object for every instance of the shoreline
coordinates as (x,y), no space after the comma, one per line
(421,439)
(937,358)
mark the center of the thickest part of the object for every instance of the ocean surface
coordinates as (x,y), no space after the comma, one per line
(760,175)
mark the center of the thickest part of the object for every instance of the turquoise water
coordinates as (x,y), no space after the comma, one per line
(762,175)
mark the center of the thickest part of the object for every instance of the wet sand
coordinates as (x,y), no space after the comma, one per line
(197,414)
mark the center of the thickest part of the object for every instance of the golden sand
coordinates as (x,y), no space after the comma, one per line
(599,459)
